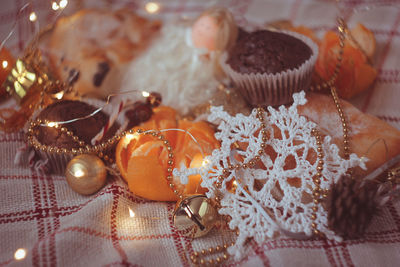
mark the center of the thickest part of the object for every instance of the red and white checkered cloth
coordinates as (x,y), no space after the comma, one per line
(58,227)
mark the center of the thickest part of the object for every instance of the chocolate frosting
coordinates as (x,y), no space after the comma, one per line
(268,52)
(85,129)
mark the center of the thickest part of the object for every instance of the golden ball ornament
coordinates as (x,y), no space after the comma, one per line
(195,216)
(86,174)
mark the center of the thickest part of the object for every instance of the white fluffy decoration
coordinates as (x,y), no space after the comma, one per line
(264,204)
(184,75)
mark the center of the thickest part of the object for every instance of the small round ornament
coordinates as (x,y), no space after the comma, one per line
(86,174)
(194,216)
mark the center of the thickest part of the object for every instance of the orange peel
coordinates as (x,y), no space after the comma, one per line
(143,159)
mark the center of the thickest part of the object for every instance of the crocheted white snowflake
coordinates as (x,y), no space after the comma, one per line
(275,196)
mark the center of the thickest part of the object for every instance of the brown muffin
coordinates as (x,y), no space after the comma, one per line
(268,67)
(85,129)
(53,139)
(268,52)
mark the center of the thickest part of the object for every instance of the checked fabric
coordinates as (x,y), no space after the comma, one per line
(57,227)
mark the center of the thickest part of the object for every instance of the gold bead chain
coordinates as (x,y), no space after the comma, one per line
(342,28)
(83,147)
(345,126)
(318,194)
(198,257)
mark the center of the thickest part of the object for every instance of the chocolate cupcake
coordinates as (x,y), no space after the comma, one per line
(83,121)
(268,67)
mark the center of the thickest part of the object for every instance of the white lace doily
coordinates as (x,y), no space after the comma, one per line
(274,197)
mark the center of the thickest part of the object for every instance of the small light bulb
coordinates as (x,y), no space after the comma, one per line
(32,17)
(4,64)
(55,6)
(20,254)
(130,137)
(131,213)
(63,3)
(52,124)
(59,95)
(205,162)
(152,7)
(145,94)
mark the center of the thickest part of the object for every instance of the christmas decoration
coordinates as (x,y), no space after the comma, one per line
(86,174)
(351,206)
(32,85)
(195,216)
(276,195)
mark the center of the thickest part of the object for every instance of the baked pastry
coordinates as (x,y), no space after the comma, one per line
(90,49)
(369,136)
(268,67)
(80,118)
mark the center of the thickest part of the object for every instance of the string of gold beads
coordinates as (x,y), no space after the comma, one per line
(342,28)
(345,126)
(318,194)
(197,257)
(83,147)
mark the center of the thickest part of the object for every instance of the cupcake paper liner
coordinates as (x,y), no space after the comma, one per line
(274,89)
(57,162)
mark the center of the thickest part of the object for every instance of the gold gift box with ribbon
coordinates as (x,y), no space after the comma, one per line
(20,80)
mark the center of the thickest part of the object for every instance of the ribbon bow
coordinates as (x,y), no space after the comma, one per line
(20,80)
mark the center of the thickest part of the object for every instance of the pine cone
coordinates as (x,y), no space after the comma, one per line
(351,207)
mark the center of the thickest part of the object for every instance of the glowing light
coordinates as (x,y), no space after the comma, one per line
(145,94)
(152,7)
(32,17)
(55,6)
(59,95)
(63,3)
(20,254)
(131,213)
(205,162)
(129,137)
(4,64)
(52,124)
(79,173)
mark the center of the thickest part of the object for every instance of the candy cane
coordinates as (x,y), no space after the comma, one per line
(111,120)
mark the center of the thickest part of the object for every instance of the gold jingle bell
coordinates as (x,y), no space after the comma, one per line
(195,216)
(86,174)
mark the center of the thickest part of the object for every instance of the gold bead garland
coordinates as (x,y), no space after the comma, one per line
(83,149)
(318,195)
(197,257)
(345,126)
(342,28)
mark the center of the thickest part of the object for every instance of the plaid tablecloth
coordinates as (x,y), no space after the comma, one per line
(58,227)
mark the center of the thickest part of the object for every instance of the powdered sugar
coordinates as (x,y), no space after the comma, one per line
(182,74)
